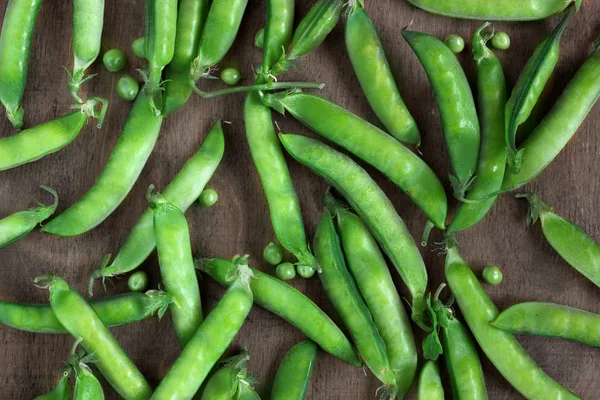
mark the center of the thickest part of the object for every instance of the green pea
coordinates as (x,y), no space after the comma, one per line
(114,60)
(259,39)
(285,271)
(455,43)
(492,275)
(138,281)
(501,41)
(208,198)
(273,254)
(231,76)
(305,271)
(139,47)
(128,88)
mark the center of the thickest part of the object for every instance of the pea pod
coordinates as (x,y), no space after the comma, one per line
(87,386)
(226,382)
(374,208)
(455,102)
(15,49)
(293,376)
(278,31)
(343,293)
(375,76)
(574,245)
(372,276)
(208,343)
(491,88)
(288,303)
(430,383)
(247,393)
(124,166)
(62,391)
(183,190)
(161,28)
(550,319)
(113,311)
(177,266)
(501,348)
(371,144)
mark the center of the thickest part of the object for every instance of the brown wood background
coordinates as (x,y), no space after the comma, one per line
(240,221)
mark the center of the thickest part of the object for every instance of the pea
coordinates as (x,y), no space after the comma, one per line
(285,271)
(139,47)
(273,254)
(114,60)
(231,76)
(455,43)
(138,281)
(501,41)
(259,39)
(208,198)
(305,271)
(492,275)
(128,88)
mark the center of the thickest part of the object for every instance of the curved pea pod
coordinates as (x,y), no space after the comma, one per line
(455,102)
(371,144)
(288,303)
(61,391)
(18,225)
(293,376)
(278,31)
(550,319)
(15,48)
(507,10)
(372,276)
(124,166)
(492,94)
(183,190)
(430,383)
(462,361)
(501,348)
(345,297)
(226,382)
(284,206)
(574,245)
(375,76)
(87,386)
(49,137)
(372,205)
(82,322)
(210,341)
(161,28)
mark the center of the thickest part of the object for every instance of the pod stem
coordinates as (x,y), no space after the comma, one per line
(536,207)
(261,87)
(89,108)
(161,302)
(53,192)
(102,272)
(426,232)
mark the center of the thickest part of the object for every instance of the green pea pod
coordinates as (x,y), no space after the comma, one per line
(293,376)
(62,391)
(455,102)
(161,28)
(375,76)
(507,10)
(183,190)
(76,315)
(88,21)
(462,361)
(247,393)
(177,266)
(225,383)
(491,88)
(430,383)
(290,304)
(372,276)
(550,319)
(501,348)
(559,125)
(113,311)
(530,85)
(87,386)
(374,208)
(15,49)
(278,31)
(124,166)
(343,293)
(372,145)
(574,245)
(209,342)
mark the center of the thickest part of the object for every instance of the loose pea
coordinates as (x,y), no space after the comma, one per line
(128,88)
(455,43)
(208,198)
(286,271)
(114,60)
(138,281)
(139,47)
(273,254)
(305,271)
(231,76)
(259,39)
(501,41)
(492,275)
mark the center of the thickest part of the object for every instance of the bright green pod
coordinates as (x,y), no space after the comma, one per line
(278,31)
(430,383)
(247,393)
(87,386)
(61,391)
(226,382)
(293,376)
(161,29)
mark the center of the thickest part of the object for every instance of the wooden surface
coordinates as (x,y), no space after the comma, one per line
(239,223)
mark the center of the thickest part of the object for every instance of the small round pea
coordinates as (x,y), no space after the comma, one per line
(139,47)
(259,39)
(455,43)
(208,198)
(273,254)
(305,271)
(492,275)
(231,76)
(501,41)
(114,60)
(138,281)
(128,88)
(285,271)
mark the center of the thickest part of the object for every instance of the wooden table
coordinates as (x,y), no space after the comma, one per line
(239,222)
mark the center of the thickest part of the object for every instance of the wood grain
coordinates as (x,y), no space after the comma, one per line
(239,222)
